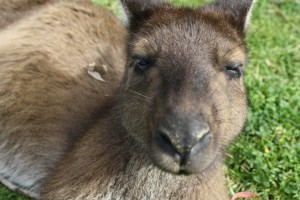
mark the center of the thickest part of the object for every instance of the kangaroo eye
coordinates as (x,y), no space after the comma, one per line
(141,65)
(235,70)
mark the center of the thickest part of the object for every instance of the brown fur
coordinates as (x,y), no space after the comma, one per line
(13,10)
(179,72)
(47,97)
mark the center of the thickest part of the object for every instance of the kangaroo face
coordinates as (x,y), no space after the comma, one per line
(183,98)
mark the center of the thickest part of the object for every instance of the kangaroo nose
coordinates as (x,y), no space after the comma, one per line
(186,139)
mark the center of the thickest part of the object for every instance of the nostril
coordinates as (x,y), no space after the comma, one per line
(201,144)
(165,138)
(206,138)
(202,131)
(165,141)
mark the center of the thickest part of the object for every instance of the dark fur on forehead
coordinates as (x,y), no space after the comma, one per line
(235,12)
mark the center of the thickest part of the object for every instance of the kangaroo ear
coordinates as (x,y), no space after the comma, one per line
(237,11)
(135,7)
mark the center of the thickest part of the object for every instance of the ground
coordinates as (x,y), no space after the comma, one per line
(265,158)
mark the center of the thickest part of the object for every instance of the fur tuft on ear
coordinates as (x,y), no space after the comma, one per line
(134,7)
(238,11)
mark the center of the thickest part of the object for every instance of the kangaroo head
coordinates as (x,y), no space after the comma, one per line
(183,97)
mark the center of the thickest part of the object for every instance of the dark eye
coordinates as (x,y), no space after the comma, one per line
(235,70)
(141,65)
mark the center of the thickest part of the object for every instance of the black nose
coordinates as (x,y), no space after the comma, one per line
(183,139)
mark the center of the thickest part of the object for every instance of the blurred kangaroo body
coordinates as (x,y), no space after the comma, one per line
(47,98)
(13,10)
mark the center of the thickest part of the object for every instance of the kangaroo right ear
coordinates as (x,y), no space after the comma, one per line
(238,11)
(136,7)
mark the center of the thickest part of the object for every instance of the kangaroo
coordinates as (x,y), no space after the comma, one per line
(181,101)
(163,126)
(47,97)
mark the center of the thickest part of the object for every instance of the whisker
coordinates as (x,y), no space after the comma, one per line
(132,91)
(141,95)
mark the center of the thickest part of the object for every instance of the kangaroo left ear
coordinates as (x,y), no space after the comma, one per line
(134,7)
(237,11)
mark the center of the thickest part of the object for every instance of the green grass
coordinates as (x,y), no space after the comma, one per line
(266,158)
(6,194)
